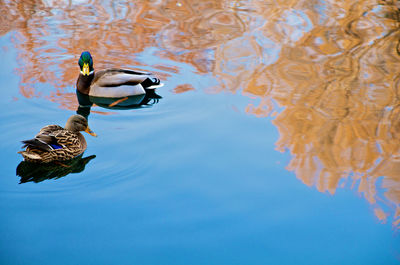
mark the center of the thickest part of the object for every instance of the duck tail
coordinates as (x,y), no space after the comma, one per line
(151,83)
(37,144)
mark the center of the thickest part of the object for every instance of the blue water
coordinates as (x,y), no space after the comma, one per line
(193,179)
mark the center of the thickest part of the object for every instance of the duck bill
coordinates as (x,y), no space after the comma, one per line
(85,69)
(90,132)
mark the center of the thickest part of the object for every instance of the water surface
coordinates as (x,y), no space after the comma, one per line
(275,140)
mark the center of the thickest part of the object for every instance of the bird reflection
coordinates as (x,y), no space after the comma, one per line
(123,103)
(28,171)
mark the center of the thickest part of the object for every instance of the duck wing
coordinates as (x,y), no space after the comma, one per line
(146,79)
(119,77)
(53,137)
(44,140)
(116,83)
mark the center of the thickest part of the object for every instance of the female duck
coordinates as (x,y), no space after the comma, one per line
(54,143)
(112,83)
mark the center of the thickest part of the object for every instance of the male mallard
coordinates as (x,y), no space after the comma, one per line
(55,143)
(112,83)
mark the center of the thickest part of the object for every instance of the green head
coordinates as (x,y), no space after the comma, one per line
(86,63)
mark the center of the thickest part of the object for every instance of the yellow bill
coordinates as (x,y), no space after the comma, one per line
(89,131)
(85,69)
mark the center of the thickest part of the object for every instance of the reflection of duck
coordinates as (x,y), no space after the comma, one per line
(112,83)
(29,171)
(54,143)
(131,102)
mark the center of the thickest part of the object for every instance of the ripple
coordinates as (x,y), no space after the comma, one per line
(203,32)
(331,69)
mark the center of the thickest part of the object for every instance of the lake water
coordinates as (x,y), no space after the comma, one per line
(275,139)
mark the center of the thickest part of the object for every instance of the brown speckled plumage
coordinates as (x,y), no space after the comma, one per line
(70,143)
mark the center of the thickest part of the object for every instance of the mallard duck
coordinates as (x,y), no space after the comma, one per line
(55,143)
(114,82)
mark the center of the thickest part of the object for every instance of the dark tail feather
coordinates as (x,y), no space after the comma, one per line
(37,144)
(148,82)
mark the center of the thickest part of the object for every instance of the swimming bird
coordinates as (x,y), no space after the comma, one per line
(55,143)
(113,82)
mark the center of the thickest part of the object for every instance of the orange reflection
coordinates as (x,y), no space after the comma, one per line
(326,70)
(183,88)
(50,35)
(338,86)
